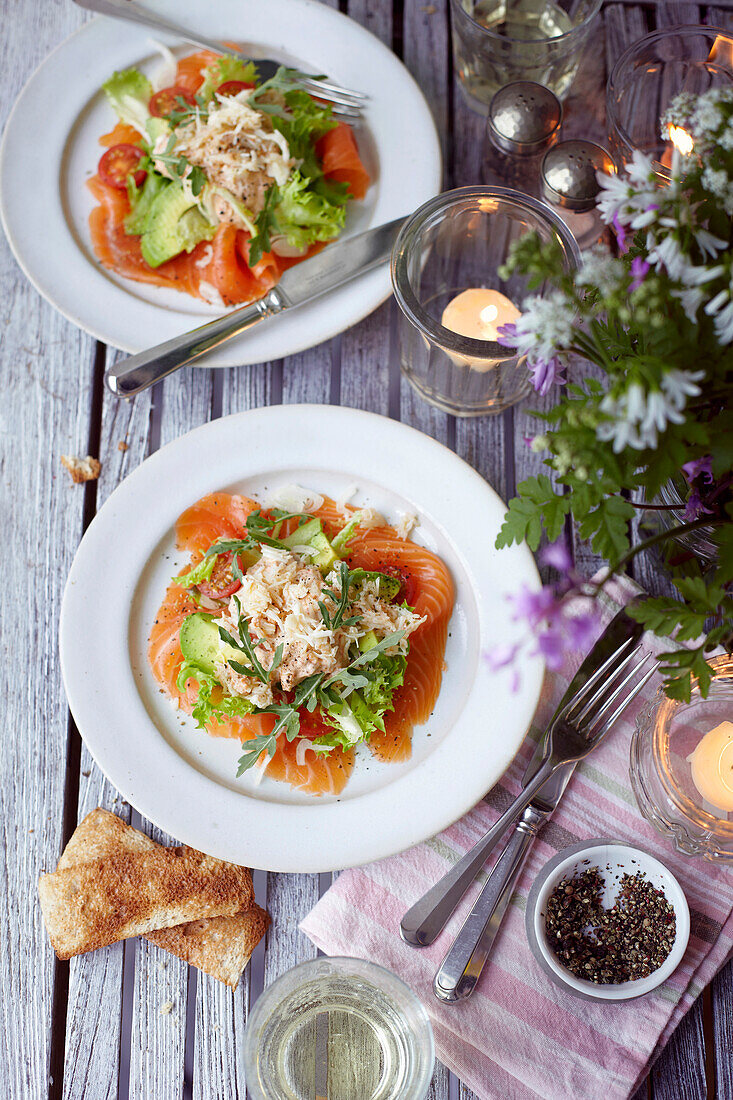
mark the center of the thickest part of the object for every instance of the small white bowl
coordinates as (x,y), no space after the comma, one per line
(613,859)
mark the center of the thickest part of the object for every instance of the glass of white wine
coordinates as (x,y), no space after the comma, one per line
(496,42)
(338,1029)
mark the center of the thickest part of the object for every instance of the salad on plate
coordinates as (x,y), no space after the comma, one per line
(217,182)
(303,629)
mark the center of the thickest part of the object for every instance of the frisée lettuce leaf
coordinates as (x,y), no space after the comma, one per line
(310,211)
(129,93)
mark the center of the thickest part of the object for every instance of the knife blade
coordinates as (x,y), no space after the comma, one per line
(332,267)
(424,920)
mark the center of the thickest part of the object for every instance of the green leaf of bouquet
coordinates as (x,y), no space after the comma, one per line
(537,504)
(607,527)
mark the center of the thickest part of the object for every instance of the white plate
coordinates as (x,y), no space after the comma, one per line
(182,778)
(58,150)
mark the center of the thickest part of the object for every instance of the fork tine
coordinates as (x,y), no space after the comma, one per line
(624,702)
(335,93)
(605,698)
(350,114)
(600,674)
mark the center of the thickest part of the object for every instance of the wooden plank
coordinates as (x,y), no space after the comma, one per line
(158,1032)
(722,996)
(221,1015)
(94,1016)
(45,413)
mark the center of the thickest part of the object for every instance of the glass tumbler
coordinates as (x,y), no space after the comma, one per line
(496,42)
(456,242)
(647,77)
(667,733)
(342,1028)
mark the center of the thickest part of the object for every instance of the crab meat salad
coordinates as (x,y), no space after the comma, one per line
(216,183)
(302,629)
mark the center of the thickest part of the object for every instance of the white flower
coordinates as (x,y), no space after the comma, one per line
(636,417)
(545,327)
(614,194)
(641,169)
(599,269)
(669,253)
(678,385)
(708,243)
(724,325)
(691,299)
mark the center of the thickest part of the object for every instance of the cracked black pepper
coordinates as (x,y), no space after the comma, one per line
(608,946)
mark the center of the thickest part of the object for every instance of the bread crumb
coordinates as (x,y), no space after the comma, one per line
(166,1009)
(430,9)
(82,469)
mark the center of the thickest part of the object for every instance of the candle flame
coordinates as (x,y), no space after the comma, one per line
(681,139)
(722,50)
(488,314)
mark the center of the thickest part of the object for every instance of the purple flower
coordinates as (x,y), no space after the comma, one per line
(695,507)
(501,656)
(620,232)
(506,334)
(528,439)
(546,373)
(557,555)
(535,607)
(581,630)
(639,269)
(698,467)
(551,645)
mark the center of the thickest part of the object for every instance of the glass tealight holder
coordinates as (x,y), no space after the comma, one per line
(342,1028)
(455,243)
(496,42)
(647,77)
(666,736)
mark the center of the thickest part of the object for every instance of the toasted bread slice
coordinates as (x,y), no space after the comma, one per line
(128,893)
(220,946)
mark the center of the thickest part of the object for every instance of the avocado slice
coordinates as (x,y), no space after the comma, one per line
(140,202)
(173,224)
(368,641)
(311,534)
(200,644)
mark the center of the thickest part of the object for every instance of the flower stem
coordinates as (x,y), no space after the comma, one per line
(653,540)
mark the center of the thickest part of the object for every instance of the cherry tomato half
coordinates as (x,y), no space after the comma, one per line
(233,87)
(222,584)
(164,102)
(119,162)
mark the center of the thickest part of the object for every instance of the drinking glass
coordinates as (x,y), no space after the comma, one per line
(666,734)
(648,76)
(496,42)
(342,1028)
(455,242)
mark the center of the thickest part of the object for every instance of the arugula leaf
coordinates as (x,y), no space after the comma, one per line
(263,742)
(265,224)
(246,646)
(333,622)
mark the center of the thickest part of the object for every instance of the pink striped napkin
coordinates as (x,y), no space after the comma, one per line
(519,1035)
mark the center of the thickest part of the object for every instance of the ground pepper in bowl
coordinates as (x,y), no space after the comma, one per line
(608,946)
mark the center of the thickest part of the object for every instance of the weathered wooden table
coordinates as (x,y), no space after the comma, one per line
(94,1028)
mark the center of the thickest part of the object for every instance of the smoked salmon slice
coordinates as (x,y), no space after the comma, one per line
(341,161)
(427,586)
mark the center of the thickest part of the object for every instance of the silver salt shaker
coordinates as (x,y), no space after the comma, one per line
(570,187)
(523,123)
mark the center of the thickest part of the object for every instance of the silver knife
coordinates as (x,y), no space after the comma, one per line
(462,966)
(335,265)
(423,922)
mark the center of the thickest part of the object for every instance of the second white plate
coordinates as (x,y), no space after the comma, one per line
(183,779)
(58,150)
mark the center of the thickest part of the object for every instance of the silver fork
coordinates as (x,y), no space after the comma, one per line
(580,728)
(348,103)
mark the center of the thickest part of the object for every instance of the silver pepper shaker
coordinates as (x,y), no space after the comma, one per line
(524,121)
(570,187)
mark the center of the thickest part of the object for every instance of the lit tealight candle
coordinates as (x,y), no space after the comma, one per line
(479,313)
(712,766)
